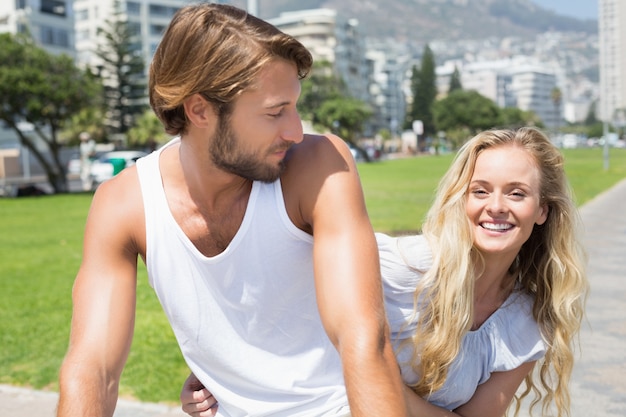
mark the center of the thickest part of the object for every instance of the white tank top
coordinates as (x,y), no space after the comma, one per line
(246,320)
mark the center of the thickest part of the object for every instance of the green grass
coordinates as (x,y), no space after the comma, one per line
(40,251)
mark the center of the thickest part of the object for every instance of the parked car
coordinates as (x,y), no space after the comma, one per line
(73,165)
(109,164)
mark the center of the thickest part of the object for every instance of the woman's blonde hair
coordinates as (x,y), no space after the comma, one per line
(550,267)
(217,51)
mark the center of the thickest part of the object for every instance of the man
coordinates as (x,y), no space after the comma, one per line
(87,151)
(256,239)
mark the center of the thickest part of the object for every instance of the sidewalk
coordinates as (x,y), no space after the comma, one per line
(21,402)
(599,378)
(598,387)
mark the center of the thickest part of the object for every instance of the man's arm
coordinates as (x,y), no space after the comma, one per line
(103,304)
(347,275)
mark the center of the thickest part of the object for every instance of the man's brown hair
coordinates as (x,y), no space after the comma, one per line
(217,51)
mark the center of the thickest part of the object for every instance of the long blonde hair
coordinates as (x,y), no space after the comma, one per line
(550,267)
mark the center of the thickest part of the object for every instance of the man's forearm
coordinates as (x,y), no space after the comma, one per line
(85,395)
(373,384)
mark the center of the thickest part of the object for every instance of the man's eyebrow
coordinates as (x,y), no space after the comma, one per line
(280,104)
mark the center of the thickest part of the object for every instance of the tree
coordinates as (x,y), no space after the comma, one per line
(122,72)
(556,95)
(467,111)
(424,89)
(591,118)
(326,103)
(87,120)
(345,117)
(455,81)
(42,91)
(147,132)
(513,118)
(321,85)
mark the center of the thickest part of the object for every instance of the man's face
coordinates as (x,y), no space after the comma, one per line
(253,140)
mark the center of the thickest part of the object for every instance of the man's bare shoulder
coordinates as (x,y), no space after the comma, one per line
(317,151)
(118,205)
(319,161)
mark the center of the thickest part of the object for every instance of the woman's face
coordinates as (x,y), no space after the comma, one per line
(503,201)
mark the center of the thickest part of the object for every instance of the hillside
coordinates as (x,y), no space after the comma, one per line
(440,19)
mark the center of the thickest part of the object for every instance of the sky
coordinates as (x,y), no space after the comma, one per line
(582,9)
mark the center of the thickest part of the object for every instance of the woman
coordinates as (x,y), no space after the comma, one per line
(494,284)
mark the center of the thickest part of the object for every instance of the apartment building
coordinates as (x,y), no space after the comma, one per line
(146,18)
(519,83)
(612,39)
(330,37)
(50,22)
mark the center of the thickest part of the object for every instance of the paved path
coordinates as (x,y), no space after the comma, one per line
(599,378)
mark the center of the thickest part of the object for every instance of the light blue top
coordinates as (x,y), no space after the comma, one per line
(506,340)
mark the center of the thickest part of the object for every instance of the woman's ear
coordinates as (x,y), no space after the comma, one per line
(543,214)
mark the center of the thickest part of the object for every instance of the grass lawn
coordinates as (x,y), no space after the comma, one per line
(40,251)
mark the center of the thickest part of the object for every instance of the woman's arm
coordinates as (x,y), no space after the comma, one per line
(491,399)
(196,400)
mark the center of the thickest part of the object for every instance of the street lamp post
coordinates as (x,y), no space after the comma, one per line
(605,134)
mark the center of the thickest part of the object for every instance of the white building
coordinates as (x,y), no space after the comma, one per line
(147,19)
(612,37)
(390,64)
(511,83)
(50,22)
(330,37)
(532,87)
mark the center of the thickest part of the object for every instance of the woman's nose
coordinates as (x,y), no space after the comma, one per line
(496,203)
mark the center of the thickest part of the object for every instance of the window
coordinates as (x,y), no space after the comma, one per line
(56,7)
(133,8)
(156,29)
(81,14)
(82,35)
(54,36)
(165,11)
(134,28)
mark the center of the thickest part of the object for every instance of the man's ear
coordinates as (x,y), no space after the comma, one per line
(199,112)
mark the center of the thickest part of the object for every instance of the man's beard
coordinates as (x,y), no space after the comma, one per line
(228,155)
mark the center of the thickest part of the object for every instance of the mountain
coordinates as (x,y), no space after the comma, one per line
(582,9)
(427,20)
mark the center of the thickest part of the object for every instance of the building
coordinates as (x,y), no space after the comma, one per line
(612,39)
(330,37)
(390,65)
(532,87)
(512,82)
(147,20)
(50,22)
